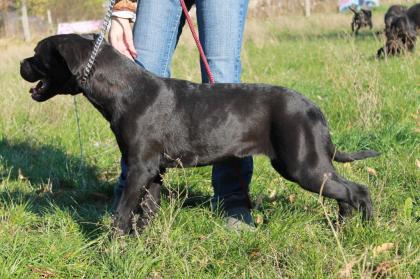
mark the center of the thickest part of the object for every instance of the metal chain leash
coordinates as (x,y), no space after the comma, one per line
(86,72)
(98,41)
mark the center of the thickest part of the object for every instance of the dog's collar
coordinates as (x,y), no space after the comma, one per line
(98,41)
(88,68)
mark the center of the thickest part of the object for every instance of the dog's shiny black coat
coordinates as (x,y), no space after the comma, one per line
(162,122)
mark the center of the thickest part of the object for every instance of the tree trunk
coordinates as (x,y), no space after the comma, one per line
(25,22)
(307,8)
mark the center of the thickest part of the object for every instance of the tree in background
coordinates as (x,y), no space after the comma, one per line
(59,10)
(5,7)
(64,10)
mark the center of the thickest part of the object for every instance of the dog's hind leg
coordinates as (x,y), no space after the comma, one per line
(140,174)
(322,179)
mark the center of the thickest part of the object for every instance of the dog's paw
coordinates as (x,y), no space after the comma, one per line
(120,225)
(345,211)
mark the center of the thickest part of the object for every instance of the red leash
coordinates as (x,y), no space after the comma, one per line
(236,165)
(197,41)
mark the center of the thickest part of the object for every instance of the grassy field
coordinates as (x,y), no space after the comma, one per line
(54,203)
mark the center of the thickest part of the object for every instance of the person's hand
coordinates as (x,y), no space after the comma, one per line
(121,37)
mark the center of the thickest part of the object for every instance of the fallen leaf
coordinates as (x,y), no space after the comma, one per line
(418,163)
(382,248)
(372,171)
(272,196)
(259,219)
(292,198)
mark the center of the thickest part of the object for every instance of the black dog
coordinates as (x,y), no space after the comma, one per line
(162,122)
(361,19)
(400,37)
(401,27)
(391,14)
(414,15)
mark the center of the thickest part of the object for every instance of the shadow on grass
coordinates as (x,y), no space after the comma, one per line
(51,178)
(48,178)
(336,35)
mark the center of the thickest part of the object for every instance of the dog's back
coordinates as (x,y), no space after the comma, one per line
(393,12)
(414,15)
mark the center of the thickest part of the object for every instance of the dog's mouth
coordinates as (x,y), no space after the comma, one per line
(40,91)
(39,87)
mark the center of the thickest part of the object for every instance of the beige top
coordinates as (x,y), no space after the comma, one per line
(125,5)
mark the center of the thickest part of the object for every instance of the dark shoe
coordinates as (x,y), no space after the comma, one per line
(239,219)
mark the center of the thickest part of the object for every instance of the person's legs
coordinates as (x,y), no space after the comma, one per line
(156,32)
(221,25)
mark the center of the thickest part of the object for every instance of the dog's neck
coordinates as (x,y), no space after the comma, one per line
(110,87)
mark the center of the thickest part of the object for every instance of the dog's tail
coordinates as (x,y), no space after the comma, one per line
(344,157)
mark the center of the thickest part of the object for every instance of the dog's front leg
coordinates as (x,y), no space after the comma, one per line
(138,177)
(149,206)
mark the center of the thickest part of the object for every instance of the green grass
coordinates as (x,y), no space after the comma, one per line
(54,218)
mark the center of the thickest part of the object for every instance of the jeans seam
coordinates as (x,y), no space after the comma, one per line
(239,44)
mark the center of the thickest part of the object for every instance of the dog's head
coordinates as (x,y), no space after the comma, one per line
(367,14)
(56,66)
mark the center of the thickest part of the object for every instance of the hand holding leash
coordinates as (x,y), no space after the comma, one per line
(121,37)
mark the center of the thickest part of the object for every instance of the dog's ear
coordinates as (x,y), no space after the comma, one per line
(75,52)
(71,56)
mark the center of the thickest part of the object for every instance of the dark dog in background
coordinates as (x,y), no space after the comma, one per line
(391,14)
(361,19)
(162,122)
(414,15)
(401,37)
(401,27)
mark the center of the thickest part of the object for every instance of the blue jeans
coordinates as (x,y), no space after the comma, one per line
(220,25)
